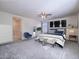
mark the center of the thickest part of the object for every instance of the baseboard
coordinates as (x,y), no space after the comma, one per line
(11,42)
(6,43)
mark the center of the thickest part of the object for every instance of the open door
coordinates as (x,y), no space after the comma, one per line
(17,28)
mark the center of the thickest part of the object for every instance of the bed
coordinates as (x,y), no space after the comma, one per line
(57,37)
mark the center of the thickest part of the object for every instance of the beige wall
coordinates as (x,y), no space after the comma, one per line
(28,24)
(6,26)
(73,19)
(70,19)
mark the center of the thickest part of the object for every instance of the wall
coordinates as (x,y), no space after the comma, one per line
(6,26)
(73,19)
(5,33)
(28,24)
(70,20)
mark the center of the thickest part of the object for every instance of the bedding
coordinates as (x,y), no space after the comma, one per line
(59,32)
(57,38)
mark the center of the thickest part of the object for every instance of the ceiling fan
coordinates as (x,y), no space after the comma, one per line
(44,15)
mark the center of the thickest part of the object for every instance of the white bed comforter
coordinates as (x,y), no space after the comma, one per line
(58,39)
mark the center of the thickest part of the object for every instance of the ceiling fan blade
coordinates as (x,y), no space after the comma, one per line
(49,14)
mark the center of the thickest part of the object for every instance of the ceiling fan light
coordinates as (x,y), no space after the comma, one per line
(43,17)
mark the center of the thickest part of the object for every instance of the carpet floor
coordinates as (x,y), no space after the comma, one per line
(34,50)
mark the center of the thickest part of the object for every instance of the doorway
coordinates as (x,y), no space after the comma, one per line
(17,28)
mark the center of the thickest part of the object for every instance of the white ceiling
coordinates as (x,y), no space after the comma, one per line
(31,8)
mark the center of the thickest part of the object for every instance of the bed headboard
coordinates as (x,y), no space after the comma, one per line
(62,30)
(59,30)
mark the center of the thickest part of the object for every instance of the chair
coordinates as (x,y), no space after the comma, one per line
(27,35)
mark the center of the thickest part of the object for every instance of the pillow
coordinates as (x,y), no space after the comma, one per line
(52,30)
(59,32)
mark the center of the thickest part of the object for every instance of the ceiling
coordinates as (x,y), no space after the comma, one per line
(31,8)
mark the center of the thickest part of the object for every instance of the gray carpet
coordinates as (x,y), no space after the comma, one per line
(34,50)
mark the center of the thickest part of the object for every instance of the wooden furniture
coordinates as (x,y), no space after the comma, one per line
(73,37)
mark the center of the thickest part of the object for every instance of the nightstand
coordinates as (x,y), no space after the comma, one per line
(73,37)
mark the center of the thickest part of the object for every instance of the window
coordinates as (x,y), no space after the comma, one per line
(57,23)
(63,23)
(51,24)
